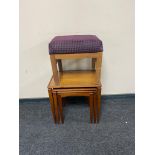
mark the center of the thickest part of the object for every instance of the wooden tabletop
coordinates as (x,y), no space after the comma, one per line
(75,79)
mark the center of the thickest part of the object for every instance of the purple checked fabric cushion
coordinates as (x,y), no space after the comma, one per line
(75,44)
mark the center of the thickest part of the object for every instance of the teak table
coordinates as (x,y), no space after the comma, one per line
(74,88)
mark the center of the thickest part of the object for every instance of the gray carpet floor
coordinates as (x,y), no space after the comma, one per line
(114,135)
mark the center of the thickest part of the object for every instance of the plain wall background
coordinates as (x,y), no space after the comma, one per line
(112,21)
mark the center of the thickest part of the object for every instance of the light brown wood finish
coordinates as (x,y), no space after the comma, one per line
(75,79)
(76,83)
(76,55)
(99,102)
(94,108)
(96,63)
(53,86)
(74,89)
(60,65)
(54,69)
(60,108)
(78,91)
(98,67)
(93,63)
(91,107)
(56,107)
(66,94)
(52,104)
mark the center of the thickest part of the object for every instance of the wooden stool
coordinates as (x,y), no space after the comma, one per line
(75,47)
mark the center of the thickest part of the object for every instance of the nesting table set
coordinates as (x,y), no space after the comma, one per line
(75,83)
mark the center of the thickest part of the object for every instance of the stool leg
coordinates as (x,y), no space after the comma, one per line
(56,107)
(98,66)
(54,69)
(91,107)
(93,63)
(60,108)
(60,65)
(52,104)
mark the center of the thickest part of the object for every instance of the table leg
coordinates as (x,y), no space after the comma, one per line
(95,107)
(91,107)
(56,107)
(52,104)
(99,102)
(60,108)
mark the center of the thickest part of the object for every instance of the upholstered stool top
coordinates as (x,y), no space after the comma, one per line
(75,44)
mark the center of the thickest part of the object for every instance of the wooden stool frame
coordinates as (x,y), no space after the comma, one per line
(56,58)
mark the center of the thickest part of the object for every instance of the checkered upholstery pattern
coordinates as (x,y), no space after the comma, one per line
(75,44)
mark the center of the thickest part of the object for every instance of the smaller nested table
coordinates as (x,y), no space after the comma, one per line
(57,93)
